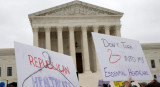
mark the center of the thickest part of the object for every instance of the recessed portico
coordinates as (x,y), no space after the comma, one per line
(67,29)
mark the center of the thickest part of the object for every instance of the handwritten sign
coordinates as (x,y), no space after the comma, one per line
(37,67)
(119,83)
(158,77)
(120,58)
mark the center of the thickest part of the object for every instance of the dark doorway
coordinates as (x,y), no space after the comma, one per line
(79,62)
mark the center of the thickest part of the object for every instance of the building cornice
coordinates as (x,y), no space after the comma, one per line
(7,51)
(146,46)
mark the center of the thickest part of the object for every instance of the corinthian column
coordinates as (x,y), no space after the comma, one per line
(35,36)
(95,29)
(48,38)
(107,30)
(72,44)
(118,30)
(85,52)
(60,40)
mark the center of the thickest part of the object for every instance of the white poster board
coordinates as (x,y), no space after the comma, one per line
(120,58)
(158,77)
(37,67)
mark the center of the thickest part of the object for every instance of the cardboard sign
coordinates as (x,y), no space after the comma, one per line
(37,67)
(2,84)
(101,82)
(158,77)
(119,83)
(120,58)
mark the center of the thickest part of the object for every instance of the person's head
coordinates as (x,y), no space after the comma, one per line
(134,86)
(13,84)
(143,84)
(153,84)
(104,85)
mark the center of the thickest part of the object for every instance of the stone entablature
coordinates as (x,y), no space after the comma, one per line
(6,52)
(74,21)
(150,46)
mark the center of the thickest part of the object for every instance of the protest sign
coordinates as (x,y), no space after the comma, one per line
(37,67)
(119,83)
(101,82)
(120,58)
(158,77)
(2,84)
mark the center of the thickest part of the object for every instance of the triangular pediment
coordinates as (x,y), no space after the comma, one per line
(76,8)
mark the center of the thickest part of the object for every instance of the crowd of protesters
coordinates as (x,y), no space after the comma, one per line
(153,83)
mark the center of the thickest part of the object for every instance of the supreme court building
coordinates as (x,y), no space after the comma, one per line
(67,29)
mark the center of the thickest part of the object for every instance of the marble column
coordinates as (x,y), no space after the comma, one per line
(85,50)
(60,39)
(35,36)
(118,30)
(48,38)
(72,44)
(95,29)
(107,30)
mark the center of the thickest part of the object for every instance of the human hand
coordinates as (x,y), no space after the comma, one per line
(128,83)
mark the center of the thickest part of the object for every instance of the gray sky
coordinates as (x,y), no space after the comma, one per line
(141,19)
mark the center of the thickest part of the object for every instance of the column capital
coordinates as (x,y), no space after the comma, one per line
(107,29)
(118,27)
(35,29)
(47,29)
(84,27)
(107,26)
(71,28)
(95,28)
(59,28)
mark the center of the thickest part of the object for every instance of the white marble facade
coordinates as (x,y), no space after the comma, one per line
(67,29)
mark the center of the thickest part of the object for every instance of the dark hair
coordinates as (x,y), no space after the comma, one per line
(13,83)
(134,86)
(153,84)
(106,85)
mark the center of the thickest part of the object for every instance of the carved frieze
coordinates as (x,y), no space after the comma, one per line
(76,9)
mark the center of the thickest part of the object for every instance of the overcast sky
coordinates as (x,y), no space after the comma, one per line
(141,19)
